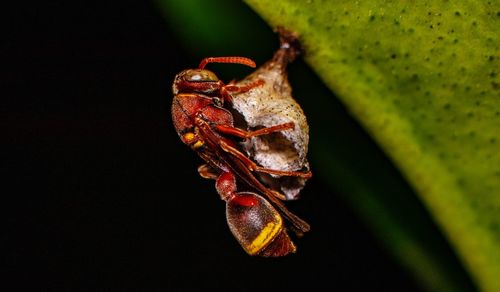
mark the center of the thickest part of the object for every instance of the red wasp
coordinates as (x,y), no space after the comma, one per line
(204,124)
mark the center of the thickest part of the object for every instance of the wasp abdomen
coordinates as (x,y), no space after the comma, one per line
(257,226)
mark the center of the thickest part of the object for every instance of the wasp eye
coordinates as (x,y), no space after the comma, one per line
(200,75)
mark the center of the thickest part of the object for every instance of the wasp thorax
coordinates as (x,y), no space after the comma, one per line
(196,80)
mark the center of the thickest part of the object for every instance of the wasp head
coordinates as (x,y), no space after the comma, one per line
(196,81)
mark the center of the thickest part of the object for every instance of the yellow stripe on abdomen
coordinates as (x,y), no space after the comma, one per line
(265,236)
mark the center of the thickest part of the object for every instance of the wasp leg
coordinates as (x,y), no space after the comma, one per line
(237,132)
(226,184)
(208,172)
(229,89)
(252,166)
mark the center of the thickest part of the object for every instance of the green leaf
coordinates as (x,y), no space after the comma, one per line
(423,79)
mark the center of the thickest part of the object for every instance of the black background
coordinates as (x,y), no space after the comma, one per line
(107,197)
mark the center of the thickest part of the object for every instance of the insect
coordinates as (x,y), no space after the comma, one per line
(255,214)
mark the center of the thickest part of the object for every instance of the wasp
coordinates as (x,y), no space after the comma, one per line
(256,215)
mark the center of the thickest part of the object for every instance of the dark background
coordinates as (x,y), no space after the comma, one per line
(105,194)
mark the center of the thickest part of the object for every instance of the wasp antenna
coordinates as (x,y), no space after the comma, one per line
(235,60)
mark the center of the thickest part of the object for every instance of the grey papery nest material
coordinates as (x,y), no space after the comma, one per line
(272,104)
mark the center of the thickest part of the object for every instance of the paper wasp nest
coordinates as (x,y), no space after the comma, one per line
(272,104)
